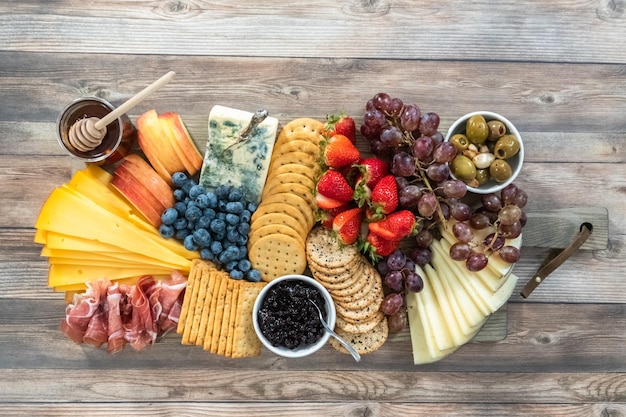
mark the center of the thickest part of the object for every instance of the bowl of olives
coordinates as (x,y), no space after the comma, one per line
(490,151)
(286,321)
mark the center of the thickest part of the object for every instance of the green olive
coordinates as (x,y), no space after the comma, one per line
(482,175)
(500,170)
(463,168)
(506,147)
(497,129)
(460,142)
(476,129)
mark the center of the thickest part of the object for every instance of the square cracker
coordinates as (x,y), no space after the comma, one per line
(210,327)
(191,293)
(233,318)
(228,302)
(218,313)
(204,318)
(199,305)
(196,266)
(245,341)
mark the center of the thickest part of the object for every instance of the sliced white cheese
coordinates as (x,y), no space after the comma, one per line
(422,352)
(243,165)
(441,336)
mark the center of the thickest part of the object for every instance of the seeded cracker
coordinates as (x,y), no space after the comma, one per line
(363,342)
(245,341)
(361,327)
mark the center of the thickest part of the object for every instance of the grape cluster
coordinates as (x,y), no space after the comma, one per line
(216,223)
(419,159)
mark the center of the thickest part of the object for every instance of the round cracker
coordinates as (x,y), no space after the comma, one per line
(361,327)
(287,209)
(287,178)
(292,200)
(361,303)
(296,189)
(293,158)
(274,229)
(277,255)
(365,286)
(295,168)
(278,218)
(297,144)
(323,249)
(362,310)
(303,124)
(364,343)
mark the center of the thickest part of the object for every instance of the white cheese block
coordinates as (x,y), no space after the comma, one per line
(242,166)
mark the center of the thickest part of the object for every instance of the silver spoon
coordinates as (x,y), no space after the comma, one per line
(345,344)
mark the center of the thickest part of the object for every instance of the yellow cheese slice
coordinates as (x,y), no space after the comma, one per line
(111,258)
(60,275)
(65,213)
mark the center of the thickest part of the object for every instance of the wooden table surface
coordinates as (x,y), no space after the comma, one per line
(557,69)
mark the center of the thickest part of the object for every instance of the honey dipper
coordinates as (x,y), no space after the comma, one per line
(86,134)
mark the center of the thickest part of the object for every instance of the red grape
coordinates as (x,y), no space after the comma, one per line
(392,303)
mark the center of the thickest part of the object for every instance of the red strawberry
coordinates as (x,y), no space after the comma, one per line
(326,203)
(347,225)
(334,185)
(340,151)
(395,226)
(327,216)
(385,195)
(372,171)
(377,246)
(341,125)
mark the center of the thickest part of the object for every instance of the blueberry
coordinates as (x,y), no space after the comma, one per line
(241,240)
(253,275)
(221,205)
(243,251)
(232,218)
(179,179)
(228,243)
(245,216)
(181,234)
(221,215)
(222,191)
(181,208)
(212,200)
(207,255)
(166,231)
(235,194)
(181,223)
(189,243)
(221,235)
(202,237)
(218,225)
(235,207)
(235,274)
(202,201)
(169,216)
(216,247)
(244,229)
(232,235)
(252,207)
(196,190)
(209,213)
(230,266)
(193,213)
(179,194)
(244,265)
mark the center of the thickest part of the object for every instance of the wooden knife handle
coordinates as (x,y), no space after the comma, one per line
(554,263)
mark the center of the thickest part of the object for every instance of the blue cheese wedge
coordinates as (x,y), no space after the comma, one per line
(244,165)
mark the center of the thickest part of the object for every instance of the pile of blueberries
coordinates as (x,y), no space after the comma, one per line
(214,222)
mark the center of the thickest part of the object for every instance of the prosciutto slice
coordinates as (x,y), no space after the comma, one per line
(117,315)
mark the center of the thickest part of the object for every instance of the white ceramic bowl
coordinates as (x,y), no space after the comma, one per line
(516,161)
(331,317)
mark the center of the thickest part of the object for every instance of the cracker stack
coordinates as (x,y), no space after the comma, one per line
(217,312)
(285,216)
(356,288)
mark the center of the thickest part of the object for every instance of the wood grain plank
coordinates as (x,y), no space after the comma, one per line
(271,386)
(541,338)
(537,97)
(559,31)
(297,409)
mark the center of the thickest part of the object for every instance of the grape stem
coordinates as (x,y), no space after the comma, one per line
(425,180)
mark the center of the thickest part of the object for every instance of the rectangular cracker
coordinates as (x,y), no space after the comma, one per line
(210,327)
(218,314)
(192,293)
(245,341)
(221,345)
(187,297)
(233,318)
(204,318)
(197,310)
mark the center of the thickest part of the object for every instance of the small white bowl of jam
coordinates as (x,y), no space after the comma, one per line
(285,320)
